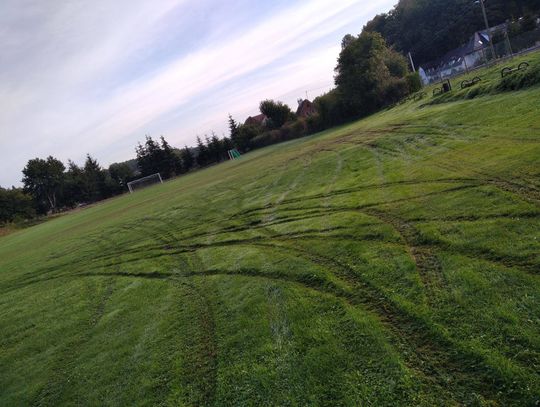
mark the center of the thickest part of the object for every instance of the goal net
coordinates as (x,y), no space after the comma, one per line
(144,182)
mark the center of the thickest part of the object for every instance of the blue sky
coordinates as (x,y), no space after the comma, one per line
(81,77)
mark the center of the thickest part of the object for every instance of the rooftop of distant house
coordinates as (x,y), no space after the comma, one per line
(306,108)
(256,120)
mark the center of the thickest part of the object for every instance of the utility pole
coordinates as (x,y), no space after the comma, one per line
(487,27)
(508,42)
(412,62)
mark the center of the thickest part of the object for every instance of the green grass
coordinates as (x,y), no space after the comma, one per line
(393,261)
(491,81)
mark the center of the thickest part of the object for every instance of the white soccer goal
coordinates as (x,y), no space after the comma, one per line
(144,182)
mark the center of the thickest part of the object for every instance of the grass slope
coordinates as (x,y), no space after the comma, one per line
(491,81)
(390,262)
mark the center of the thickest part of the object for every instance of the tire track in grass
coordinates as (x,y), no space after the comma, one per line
(424,247)
(158,251)
(445,368)
(271,216)
(157,229)
(270,187)
(196,384)
(528,193)
(145,331)
(346,191)
(51,392)
(370,298)
(455,370)
(337,209)
(366,301)
(435,356)
(427,264)
(201,362)
(63,372)
(51,273)
(476,218)
(330,186)
(426,358)
(188,377)
(322,212)
(505,260)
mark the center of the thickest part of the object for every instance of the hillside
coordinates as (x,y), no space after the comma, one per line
(393,261)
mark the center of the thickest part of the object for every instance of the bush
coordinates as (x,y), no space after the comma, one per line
(474,92)
(246,135)
(276,112)
(15,205)
(266,139)
(414,82)
(396,89)
(314,124)
(294,130)
(333,110)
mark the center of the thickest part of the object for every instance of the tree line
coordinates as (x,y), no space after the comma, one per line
(49,186)
(370,76)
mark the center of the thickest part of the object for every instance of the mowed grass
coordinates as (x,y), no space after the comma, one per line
(491,80)
(394,261)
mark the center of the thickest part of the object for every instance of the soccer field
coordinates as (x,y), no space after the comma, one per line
(393,261)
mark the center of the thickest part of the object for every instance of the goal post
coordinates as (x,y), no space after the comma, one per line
(233,154)
(144,182)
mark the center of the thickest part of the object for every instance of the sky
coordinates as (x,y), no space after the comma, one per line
(80,77)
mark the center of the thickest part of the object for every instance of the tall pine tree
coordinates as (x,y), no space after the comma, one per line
(187,159)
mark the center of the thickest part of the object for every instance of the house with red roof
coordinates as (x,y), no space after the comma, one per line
(259,120)
(305,109)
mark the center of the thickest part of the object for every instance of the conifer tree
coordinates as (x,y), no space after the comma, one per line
(202,153)
(187,159)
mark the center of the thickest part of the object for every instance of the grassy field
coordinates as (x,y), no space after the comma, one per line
(394,261)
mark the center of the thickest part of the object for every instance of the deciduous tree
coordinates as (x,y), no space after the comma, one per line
(44,179)
(369,75)
(15,205)
(277,113)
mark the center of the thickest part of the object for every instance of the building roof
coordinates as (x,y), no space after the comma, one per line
(305,108)
(453,58)
(259,119)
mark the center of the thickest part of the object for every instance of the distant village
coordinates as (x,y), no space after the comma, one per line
(477,52)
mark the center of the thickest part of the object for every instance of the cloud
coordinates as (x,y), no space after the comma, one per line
(84,77)
(313,72)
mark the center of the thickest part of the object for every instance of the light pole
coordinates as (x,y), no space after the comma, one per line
(487,26)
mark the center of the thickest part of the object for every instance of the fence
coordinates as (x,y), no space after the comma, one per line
(505,48)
